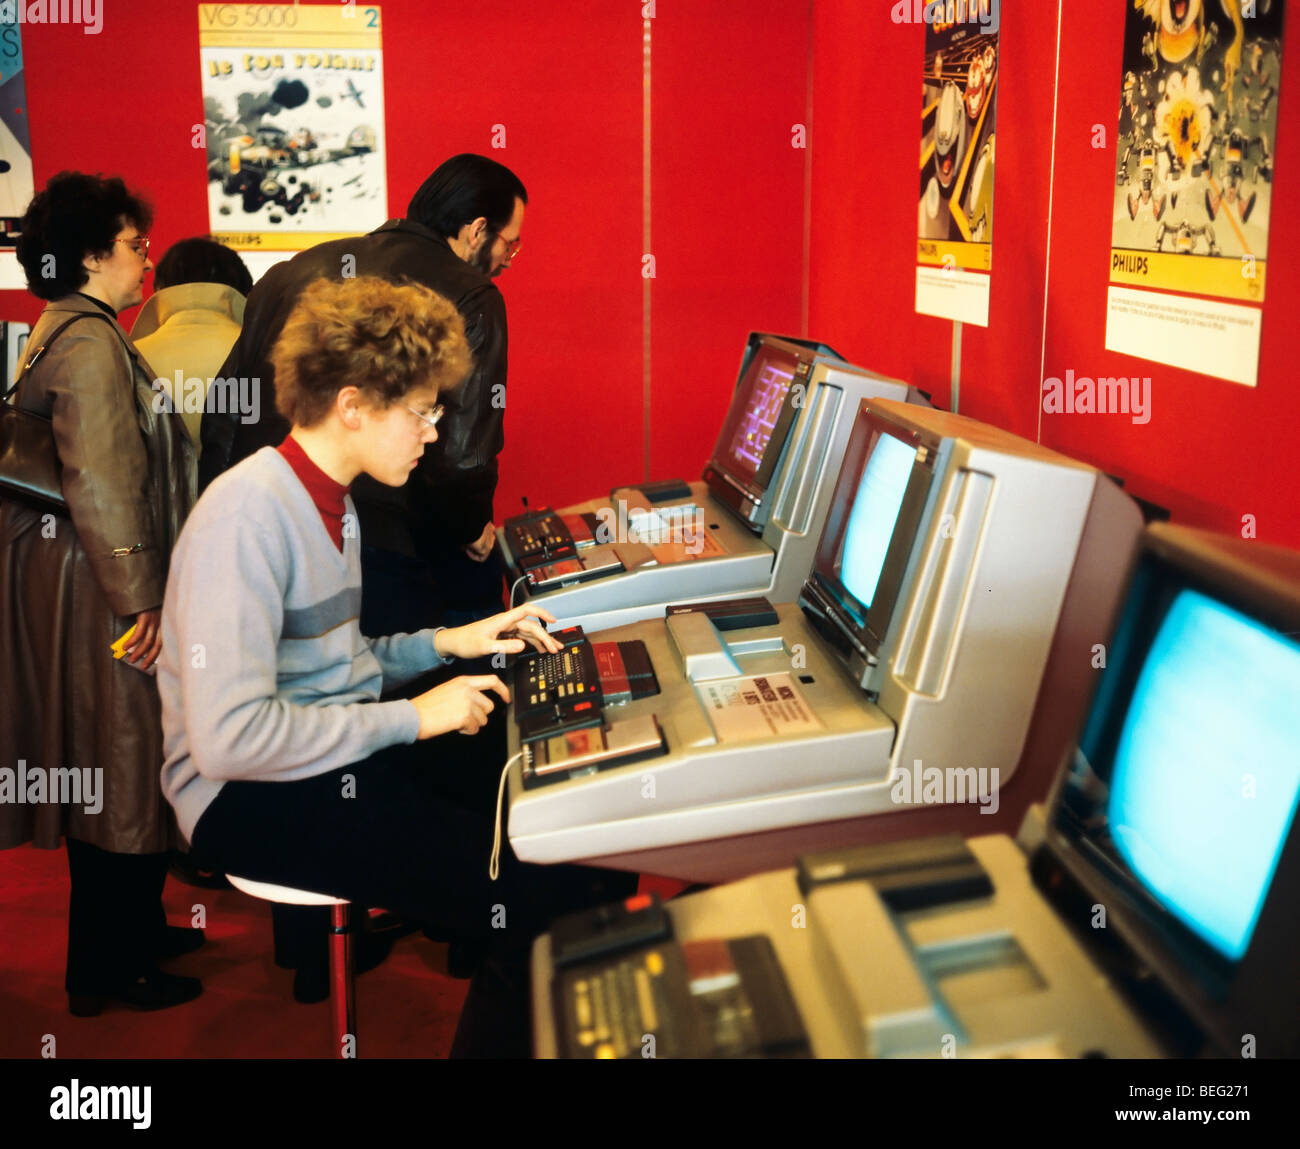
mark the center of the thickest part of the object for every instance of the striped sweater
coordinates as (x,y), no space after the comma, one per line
(264,672)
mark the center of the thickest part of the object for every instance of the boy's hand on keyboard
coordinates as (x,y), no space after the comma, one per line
(462,704)
(511,632)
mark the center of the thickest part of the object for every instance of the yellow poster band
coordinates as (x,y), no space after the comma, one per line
(332,27)
(1219,276)
(947,253)
(277,240)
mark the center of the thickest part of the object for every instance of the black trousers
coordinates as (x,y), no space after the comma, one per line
(115,917)
(401,594)
(463,770)
(380,833)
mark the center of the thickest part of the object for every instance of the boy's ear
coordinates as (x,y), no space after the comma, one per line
(347,405)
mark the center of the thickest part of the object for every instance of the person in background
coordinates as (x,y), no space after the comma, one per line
(283,762)
(187,326)
(429,555)
(185,331)
(70,587)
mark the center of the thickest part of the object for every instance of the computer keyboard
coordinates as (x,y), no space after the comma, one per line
(569,676)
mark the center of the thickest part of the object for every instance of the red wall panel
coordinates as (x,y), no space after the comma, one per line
(999,363)
(566,83)
(729,83)
(865,140)
(1213,451)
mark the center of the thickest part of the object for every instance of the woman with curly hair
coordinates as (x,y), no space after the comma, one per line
(71,586)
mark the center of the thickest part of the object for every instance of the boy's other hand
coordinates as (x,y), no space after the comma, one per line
(462,704)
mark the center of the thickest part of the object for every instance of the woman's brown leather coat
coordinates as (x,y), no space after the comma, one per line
(67,590)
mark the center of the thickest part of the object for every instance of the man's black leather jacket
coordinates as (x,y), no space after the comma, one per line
(448,499)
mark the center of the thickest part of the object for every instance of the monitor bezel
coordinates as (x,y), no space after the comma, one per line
(746,496)
(1214,991)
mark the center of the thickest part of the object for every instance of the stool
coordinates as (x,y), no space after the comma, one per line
(342,995)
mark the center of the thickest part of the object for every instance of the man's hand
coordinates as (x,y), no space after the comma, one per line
(507,633)
(462,704)
(481,547)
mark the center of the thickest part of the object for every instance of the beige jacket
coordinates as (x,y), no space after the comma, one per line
(189,328)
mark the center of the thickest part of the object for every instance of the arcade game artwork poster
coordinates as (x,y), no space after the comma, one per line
(17,185)
(954,251)
(1196,148)
(293,108)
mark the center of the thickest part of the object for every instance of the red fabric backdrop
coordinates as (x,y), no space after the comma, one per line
(1213,451)
(728,211)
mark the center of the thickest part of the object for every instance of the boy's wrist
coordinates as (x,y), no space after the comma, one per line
(441,646)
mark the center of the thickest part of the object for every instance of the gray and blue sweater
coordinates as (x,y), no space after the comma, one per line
(264,673)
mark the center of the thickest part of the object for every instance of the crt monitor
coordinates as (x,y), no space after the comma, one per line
(773,381)
(1183,788)
(874,518)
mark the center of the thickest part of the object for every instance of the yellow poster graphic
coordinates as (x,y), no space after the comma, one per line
(293,102)
(954,250)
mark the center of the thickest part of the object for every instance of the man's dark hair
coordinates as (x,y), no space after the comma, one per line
(202,260)
(464,188)
(75,216)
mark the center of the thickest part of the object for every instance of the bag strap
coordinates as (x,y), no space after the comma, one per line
(31,360)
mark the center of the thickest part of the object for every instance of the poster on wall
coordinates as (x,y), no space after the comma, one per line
(17,184)
(1196,148)
(293,109)
(954,250)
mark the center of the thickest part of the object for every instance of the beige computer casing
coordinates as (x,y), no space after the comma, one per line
(1016,573)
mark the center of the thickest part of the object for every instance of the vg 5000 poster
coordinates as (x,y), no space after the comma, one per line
(293,101)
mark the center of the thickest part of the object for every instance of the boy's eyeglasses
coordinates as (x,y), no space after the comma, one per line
(431,418)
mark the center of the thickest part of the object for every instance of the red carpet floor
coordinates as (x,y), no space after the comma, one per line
(407,1007)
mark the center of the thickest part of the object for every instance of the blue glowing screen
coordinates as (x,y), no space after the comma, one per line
(1207,768)
(874,514)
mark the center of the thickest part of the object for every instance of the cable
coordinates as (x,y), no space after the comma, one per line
(515,587)
(494,866)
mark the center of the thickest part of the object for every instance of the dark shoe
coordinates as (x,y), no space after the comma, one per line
(311,984)
(494,1021)
(464,958)
(386,924)
(178,940)
(154,990)
(185,869)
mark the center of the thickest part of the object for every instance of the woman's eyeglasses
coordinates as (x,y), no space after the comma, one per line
(139,244)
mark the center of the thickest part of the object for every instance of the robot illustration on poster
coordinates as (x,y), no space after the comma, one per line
(958,121)
(1197,127)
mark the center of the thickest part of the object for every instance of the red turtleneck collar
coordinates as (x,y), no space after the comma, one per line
(324,491)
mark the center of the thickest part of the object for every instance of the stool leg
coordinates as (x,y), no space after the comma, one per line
(342,1000)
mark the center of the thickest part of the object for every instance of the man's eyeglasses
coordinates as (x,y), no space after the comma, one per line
(512,245)
(431,418)
(139,244)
